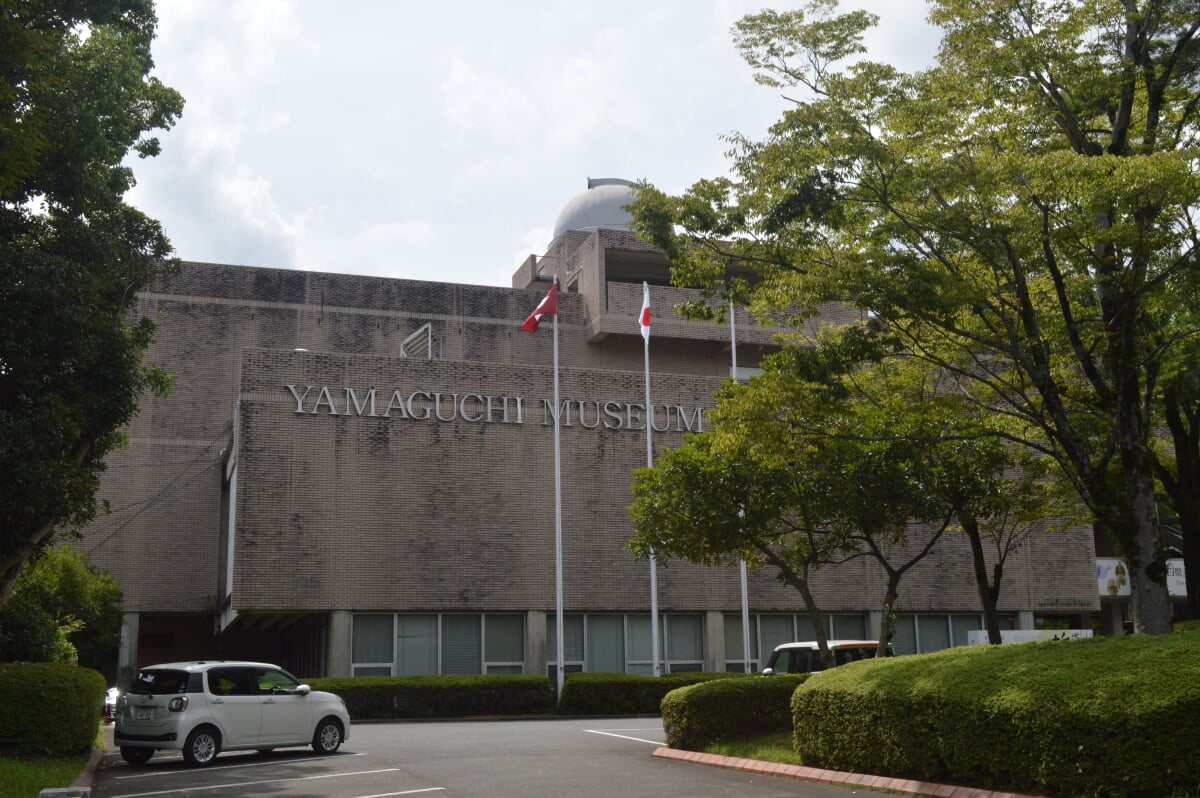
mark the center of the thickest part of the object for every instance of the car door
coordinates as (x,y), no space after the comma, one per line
(236,704)
(286,714)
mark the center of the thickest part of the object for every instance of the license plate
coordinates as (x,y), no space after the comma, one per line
(143,714)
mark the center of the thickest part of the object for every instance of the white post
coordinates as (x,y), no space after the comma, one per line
(741,563)
(650,463)
(558,563)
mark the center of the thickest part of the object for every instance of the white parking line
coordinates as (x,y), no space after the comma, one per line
(213,768)
(406,792)
(255,783)
(625,736)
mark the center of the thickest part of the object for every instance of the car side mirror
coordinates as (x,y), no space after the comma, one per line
(303,689)
(768,671)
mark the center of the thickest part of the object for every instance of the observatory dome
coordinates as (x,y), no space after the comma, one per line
(600,206)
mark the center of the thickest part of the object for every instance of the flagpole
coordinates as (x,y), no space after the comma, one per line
(558,563)
(649,463)
(741,563)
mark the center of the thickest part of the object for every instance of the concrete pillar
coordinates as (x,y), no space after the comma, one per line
(339,643)
(874,624)
(714,634)
(1112,617)
(127,649)
(536,656)
(1025,619)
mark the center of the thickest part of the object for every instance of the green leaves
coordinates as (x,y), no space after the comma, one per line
(1018,217)
(75,99)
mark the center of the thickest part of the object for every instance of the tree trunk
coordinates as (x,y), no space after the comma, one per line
(1142,538)
(987,594)
(799,580)
(886,625)
(1183,486)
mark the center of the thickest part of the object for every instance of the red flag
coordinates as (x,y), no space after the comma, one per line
(547,307)
(644,319)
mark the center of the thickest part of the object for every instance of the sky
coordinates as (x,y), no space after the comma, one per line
(439,141)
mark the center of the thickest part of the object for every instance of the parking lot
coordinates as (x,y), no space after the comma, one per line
(586,758)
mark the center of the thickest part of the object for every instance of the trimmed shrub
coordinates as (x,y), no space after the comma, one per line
(1099,717)
(696,716)
(624,693)
(381,697)
(49,708)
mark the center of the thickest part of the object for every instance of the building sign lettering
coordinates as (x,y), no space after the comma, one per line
(476,408)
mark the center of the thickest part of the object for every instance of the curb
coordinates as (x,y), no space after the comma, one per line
(84,779)
(820,776)
(82,786)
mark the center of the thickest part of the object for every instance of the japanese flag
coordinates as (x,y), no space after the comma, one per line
(644,319)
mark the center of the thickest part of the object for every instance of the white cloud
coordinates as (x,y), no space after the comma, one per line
(440,141)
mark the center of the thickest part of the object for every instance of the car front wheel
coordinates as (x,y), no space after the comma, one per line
(202,746)
(136,756)
(328,736)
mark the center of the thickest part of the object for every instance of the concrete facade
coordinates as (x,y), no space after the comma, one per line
(312,475)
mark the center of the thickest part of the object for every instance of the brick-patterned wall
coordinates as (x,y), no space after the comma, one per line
(355,512)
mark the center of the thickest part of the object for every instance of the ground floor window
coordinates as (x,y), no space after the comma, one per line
(400,644)
(768,631)
(623,643)
(923,633)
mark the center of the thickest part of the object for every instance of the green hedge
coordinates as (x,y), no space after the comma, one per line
(701,714)
(623,693)
(1100,717)
(49,708)
(378,697)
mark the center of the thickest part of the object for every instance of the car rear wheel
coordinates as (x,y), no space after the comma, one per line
(328,736)
(136,756)
(202,746)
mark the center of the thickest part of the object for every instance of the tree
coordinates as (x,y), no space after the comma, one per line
(709,506)
(81,603)
(1019,216)
(1178,466)
(76,98)
(839,450)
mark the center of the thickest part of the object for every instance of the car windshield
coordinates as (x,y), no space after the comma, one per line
(160,682)
(843,655)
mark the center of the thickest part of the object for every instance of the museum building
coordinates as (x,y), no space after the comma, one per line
(355,476)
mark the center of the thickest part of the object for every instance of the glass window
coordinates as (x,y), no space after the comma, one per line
(685,639)
(505,639)
(776,629)
(904,638)
(849,627)
(605,643)
(372,670)
(934,632)
(462,646)
(805,630)
(229,681)
(506,669)
(641,647)
(960,625)
(572,640)
(274,681)
(373,638)
(734,641)
(416,645)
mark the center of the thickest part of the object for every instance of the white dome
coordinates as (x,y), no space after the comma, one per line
(600,206)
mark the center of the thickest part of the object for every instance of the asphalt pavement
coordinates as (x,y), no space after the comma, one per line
(580,758)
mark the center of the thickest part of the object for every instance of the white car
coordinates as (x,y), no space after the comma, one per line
(203,708)
(805,656)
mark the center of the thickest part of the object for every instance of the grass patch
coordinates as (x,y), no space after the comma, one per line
(775,747)
(26,776)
